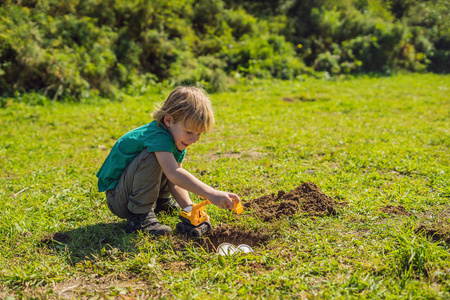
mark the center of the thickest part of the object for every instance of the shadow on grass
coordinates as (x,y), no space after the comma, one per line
(86,242)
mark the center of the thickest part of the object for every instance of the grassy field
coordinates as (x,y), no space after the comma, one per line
(379,144)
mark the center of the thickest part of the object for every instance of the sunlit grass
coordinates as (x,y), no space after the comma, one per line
(370,142)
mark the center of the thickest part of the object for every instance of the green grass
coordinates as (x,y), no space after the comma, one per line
(370,142)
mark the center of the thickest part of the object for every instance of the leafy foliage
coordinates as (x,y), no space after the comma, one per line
(364,35)
(79,49)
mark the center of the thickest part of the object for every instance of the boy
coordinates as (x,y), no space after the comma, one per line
(145,165)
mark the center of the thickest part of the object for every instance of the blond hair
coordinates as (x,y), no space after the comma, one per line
(187,104)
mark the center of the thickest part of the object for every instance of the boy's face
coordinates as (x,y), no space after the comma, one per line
(183,134)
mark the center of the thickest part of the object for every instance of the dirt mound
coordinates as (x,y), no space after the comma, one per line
(436,234)
(395,210)
(307,197)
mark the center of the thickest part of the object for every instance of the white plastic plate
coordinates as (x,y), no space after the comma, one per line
(245,248)
(226,249)
(229,249)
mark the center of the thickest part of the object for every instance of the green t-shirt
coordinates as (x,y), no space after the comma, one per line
(126,148)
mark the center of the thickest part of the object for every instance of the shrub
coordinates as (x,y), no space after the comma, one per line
(61,56)
(80,48)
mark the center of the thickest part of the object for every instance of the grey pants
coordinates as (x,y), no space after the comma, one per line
(139,187)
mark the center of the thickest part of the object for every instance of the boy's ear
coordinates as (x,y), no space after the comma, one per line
(168,120)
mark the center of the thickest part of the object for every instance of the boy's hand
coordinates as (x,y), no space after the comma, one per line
(224,200)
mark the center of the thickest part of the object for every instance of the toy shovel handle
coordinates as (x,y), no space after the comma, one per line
(203,203)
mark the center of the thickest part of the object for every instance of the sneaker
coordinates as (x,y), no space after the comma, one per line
(147,223)
(166,204)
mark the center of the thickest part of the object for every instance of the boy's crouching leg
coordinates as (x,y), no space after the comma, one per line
(165,202)
(147,223)
(168,205)
(136,195)
(117,204)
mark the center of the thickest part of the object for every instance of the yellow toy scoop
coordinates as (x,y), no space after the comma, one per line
(237,207)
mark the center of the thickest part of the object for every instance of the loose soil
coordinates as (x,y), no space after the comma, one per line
(435,224)
(436,233)
(223,234)
(395,210)
(307,198)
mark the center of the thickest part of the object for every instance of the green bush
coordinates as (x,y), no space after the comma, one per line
(430,26)
(79,49)
(351,41)
(63,56)
(364,35)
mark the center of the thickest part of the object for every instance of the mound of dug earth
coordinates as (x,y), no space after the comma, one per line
(396,210)
(307,197)
(436,232)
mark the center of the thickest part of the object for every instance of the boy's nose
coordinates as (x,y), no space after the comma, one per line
(195,138)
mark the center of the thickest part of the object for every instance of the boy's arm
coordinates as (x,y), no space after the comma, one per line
(181,195)
(185,180)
